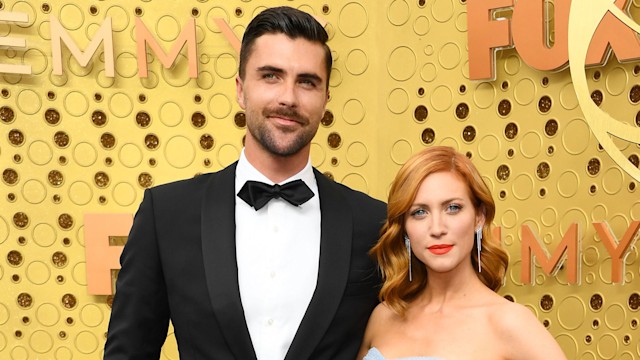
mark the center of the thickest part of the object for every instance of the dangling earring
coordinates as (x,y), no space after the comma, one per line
(479,246)
(407,244)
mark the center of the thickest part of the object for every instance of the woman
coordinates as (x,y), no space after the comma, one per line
(441,272)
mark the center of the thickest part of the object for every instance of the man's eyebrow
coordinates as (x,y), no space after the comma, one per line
(270,68)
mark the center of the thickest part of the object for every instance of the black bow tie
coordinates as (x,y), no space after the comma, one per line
(258,194)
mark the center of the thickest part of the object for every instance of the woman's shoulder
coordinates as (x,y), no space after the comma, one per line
(383,314)
(381,319)
(508,315)
(518,326)
(377,327)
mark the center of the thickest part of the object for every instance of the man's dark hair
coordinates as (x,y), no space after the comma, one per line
(284,20)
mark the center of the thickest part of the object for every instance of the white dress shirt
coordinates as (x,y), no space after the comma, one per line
(278,251)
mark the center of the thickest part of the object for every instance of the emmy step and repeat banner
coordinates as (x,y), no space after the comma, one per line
(100,100)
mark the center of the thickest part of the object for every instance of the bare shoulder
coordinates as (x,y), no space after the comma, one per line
(381,319)
(524,333)
(381,316)
(508,313)
(511,319)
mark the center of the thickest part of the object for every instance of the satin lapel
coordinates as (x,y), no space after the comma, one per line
(335,254)
(221,268)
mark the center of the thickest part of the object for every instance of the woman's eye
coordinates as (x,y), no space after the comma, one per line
(418,212)
(453,208)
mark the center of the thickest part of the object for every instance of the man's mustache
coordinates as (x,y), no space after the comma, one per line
(286,113)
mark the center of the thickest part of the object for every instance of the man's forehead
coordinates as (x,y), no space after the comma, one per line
(282,52)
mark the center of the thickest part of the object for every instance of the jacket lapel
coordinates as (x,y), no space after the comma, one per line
(335,254)
(221,268)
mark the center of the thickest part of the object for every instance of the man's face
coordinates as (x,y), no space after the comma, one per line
(284,94)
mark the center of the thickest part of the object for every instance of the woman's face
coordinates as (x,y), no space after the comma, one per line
(441,222)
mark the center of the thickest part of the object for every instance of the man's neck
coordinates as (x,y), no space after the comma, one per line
(277,168)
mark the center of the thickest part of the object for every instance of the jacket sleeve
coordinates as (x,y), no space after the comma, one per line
(140,313)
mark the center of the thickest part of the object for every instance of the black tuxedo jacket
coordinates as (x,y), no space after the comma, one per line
(179,264)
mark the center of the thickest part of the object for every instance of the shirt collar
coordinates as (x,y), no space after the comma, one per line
(245,171)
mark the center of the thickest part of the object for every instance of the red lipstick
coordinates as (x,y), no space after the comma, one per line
(440,249)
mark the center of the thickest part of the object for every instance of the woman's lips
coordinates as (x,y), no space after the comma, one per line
(440,249)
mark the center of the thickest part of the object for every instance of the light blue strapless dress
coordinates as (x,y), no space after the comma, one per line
(374,354)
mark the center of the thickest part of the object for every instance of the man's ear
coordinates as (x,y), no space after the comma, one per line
(240,92)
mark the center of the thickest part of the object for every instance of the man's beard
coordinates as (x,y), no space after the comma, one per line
(267,136)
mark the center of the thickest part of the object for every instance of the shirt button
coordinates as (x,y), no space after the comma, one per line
(270,322)
(275,229)
(272,274)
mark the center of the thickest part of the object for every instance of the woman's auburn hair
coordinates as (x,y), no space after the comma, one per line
(390,251)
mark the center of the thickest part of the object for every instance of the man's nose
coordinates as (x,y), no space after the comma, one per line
(288,95)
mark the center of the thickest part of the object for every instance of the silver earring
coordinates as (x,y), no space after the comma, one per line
(407,244)
(479,246)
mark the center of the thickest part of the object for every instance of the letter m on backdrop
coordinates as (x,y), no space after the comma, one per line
(531,247)
(104,35)
(187,37)
(104,238)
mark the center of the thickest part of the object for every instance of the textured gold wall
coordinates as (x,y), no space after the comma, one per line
(83,142)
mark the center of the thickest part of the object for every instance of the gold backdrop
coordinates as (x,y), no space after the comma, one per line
(82,142)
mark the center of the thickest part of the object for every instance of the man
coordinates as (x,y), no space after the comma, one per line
(242,277)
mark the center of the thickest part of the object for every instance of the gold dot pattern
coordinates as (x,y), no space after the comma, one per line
(20,220)
(511,131)
(14,258)
(151,141)
(551,127)
(593,167)
(101,179)
(16,137)
(61,139)
(503,172)
(240,119)
(99,118)
(56,178)
(107,140)
(462,111)
(59,259)
(69,301)
(597,97)
(634,94)
(421,113)
(7,114)
(334,140)
(10,176)
(544,105)
(469,133)
(596,302)
(634,304)
(52,116)
(82,142)
(143,119)
(198,119)
(206,142)
(428,136)
(25,300)
(546,302)
(327,118)
(65,221)
(504,107)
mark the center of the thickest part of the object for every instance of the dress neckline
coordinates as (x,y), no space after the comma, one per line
(375,352)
